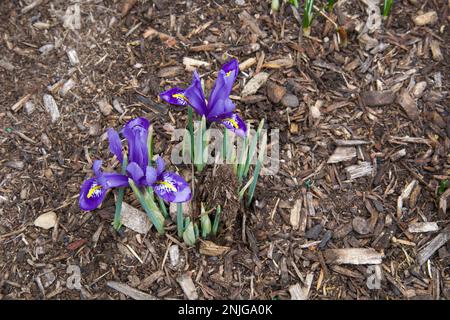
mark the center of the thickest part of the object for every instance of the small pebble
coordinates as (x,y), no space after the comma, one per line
(314,232)
(360,225)
(290,101)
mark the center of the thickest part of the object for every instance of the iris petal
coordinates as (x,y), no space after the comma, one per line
(172,188)
(160,165)
(231,69)
(136,132)
(91,195)
(115,145)
(150,176)
(115,180)
(174,96)
(222,88)
(195,96)
(136,173)
(234,123)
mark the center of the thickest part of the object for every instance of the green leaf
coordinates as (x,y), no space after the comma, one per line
(162,206)
(307,16)
(387,6)
(257,171)
(149,206)
(252,149)
(215,227)
(242,159)
(189,235)
(442,186)
(205,222)
(191,132)
(331,5)
(275,5)
(294,3)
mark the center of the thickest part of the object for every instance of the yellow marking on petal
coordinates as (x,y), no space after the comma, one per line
(180,96)
(168,185)
(228,73)
(92,190)
(233,122)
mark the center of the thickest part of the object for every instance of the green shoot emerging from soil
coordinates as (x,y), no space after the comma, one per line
(387,6)
(307,17)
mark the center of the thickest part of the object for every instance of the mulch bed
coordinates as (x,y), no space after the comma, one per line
(364,139)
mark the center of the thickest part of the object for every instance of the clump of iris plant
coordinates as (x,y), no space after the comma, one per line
(138,172)
(220,109)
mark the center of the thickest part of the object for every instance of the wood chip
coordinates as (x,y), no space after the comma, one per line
(403,196)
(16,107)
(398,154)
(299,292)
(8,66)
(52,107)
(436,50)
(209,248)
(359,170)
(353,256)
(408,104)
(294,218)
(279,63)
(443,202)
(126,7)
(148,281)
(360,225)
(342,154)
(194,63)
(433,246)
(378,98)
(129,291)
(105,107)
(73,57)
(420,227)
(247,64)
(314,110)
(310,204)
(170,72)
(349,143)
(275,92)
(347,272)
(251,22)
(426,18)
(134,219)
(254,84)
(46,221)
(188,287)
(68,85)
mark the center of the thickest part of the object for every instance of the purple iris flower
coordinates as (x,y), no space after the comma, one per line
(169,186)
(219,107)
(93,190)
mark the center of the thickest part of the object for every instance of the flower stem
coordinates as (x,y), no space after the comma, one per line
(180,221)
(117,223)
(150,145)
